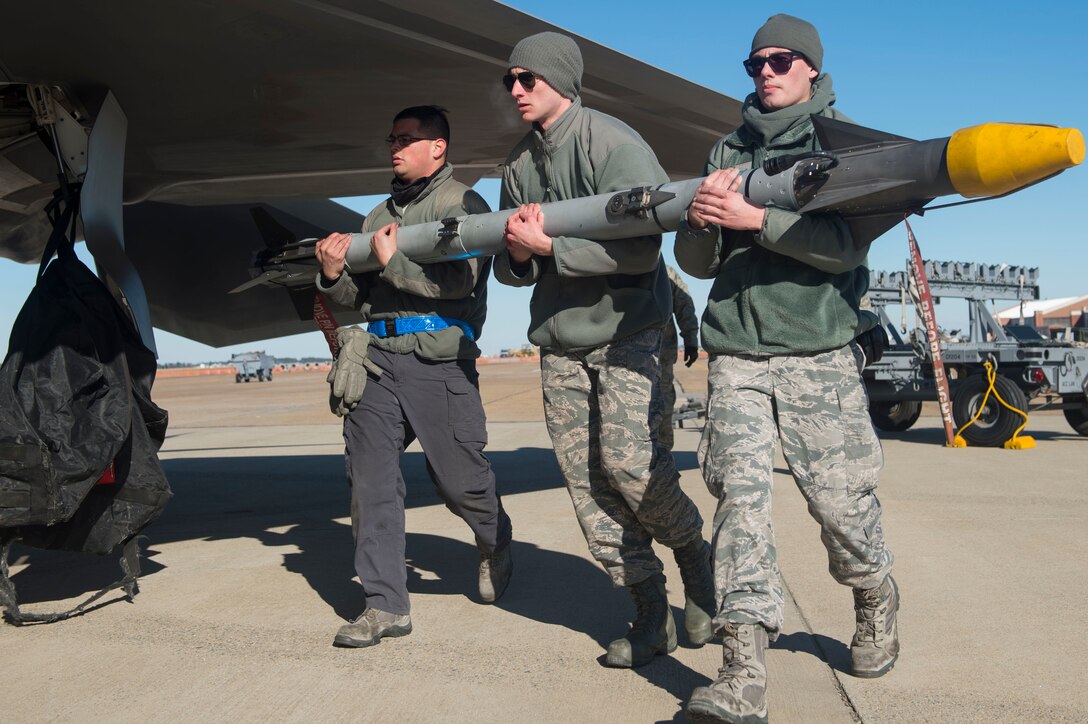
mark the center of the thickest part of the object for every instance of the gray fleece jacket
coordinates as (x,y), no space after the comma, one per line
(589,293)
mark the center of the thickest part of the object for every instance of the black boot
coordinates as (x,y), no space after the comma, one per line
(699,607)
(653,631)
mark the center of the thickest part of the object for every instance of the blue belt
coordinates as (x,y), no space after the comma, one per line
(412,325)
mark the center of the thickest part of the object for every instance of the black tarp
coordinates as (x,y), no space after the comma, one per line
(75,398)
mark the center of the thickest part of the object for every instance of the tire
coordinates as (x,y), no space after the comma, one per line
(1077,417)
(997,423)
(893,416)
(237,378)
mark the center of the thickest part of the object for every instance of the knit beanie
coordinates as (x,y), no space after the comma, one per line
(786,31)
(553,57)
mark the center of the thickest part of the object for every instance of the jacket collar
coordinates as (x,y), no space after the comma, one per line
(558,133)
(441,175)
(785,127)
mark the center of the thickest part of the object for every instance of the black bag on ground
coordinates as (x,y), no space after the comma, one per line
(75,399)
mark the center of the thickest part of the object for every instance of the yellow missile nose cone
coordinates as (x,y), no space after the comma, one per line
(996,158)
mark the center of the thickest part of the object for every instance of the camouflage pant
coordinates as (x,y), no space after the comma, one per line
(668,392)
(816,405)
(603,407)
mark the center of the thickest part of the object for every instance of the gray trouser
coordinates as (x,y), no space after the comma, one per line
(439,403)
(817,407)
(603,407)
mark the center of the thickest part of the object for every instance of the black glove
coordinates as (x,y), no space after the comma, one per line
(691,353)
(872,344)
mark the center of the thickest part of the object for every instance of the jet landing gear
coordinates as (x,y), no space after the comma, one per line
(96,163)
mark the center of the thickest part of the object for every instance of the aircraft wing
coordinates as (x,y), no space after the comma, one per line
(282,104)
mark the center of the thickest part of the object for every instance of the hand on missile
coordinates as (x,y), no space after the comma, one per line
(718,201)
(383,244)
(349,371)
(524,234)
(331,253)
(691,353)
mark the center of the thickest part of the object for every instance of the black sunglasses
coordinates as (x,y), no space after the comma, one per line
(405,140)
(780,63)
(527,80)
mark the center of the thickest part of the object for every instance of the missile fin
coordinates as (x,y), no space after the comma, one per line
(845,196)
(256,281)
(303,300)
(835,135)
(866,229)
(275,234)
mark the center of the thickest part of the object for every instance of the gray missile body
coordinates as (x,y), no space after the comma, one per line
(873,179)
(604,217)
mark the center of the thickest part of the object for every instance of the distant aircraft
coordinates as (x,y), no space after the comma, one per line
(180,118)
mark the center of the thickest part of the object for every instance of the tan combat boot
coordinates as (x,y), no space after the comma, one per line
(875,646)
(739,694)
(653,631)
(495,571)
(699,607)
(371,627)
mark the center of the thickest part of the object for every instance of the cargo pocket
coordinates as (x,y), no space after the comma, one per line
(466,411)
(863,457)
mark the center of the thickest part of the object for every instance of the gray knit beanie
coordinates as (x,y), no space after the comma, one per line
(786,31)
(555,58)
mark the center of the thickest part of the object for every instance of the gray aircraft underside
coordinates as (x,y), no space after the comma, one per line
(280,105)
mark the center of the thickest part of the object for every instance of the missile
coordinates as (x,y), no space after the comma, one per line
(874,179)
(871,178)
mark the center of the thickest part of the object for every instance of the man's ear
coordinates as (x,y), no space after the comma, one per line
(439,148)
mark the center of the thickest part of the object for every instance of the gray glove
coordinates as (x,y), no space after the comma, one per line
(349,370)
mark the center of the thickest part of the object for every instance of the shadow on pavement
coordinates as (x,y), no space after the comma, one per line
(831,651)
(301,503)
(60,575)
(934,435)
(222,498)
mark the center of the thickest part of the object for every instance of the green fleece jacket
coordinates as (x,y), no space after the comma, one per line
(683,309)
(589,293)
(794,286)
(405,288)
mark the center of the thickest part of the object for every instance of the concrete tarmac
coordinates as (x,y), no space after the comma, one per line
(249,573)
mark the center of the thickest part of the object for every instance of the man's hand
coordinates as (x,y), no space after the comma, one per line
(383,244)
(524,235)
(331,252)
(873,343)
(718,201)
(691,353)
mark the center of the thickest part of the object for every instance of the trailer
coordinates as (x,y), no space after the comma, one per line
(1030,372)
(252,366)
(688,405)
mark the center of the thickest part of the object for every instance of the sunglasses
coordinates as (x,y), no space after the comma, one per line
(526,78)
(404,140)
(780,63)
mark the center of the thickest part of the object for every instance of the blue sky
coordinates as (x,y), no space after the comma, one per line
(921,69)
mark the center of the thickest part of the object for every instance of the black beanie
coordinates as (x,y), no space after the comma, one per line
(786,31)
